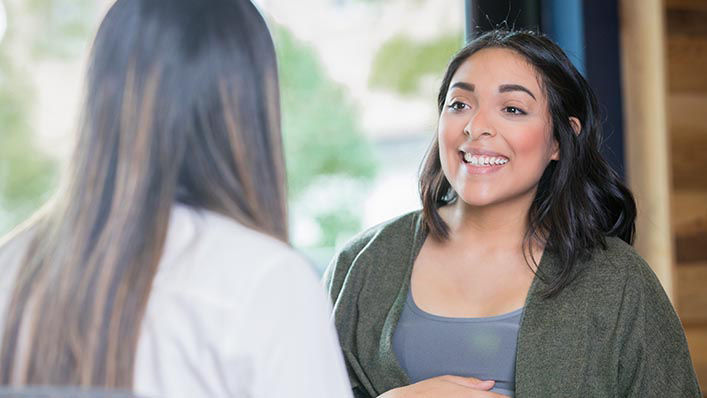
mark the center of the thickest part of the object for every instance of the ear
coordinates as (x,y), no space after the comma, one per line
(576,125)
(555,150)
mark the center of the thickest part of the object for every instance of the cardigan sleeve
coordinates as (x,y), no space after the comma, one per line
(333,280)
(654,360)
(334,274)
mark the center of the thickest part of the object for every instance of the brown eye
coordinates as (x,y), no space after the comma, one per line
(514,110)
(457,106)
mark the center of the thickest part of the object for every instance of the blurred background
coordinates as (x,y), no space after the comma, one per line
(358,85)
(359,80)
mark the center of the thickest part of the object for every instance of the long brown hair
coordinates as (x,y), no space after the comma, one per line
(182,105)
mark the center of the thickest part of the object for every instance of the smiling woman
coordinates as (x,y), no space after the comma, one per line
(517,278)
(495,137)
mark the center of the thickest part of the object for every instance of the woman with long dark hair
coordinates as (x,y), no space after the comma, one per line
(517,278)
(163,265)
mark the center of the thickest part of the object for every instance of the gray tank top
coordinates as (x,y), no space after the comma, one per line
(428,345)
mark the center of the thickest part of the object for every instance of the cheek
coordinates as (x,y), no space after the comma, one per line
(444,142)
(536,143)
(447,141)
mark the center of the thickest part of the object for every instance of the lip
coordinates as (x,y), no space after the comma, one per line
(479,151)
(480,170)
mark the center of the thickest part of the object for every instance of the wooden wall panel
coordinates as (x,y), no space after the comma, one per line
(697,341)
(689,214)
(691,298)
(689,158)
(687,111)
(688,206)
(687,57)
(692,247)
(687,119)
(687,21)
(696,5)
(686,39)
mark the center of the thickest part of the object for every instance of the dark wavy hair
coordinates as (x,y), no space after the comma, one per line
(580,200)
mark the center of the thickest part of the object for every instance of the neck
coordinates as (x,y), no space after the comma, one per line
(497,226)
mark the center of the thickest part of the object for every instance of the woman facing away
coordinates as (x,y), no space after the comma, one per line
(517,277)
(163,266)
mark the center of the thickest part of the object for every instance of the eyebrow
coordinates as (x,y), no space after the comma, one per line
(464,86)
(505,88)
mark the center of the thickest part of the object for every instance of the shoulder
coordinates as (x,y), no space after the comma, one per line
(384,236)
(16,242)
(13,248)
(220,239)
(654,355)
(225,236)
(387,244)
(616,279)
(613,278)
(641,286)
(618,264)
(611,290)
(211,255)
(619,254)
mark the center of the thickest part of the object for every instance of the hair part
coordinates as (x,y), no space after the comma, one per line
(580,200)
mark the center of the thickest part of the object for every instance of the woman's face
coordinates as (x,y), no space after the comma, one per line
(495,132)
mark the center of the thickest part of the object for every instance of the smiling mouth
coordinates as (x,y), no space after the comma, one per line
(483,160)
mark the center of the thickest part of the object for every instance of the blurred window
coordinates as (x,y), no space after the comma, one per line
(359,81)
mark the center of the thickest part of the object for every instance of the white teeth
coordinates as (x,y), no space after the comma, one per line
(482,160)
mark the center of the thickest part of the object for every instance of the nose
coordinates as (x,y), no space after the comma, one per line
(479,125)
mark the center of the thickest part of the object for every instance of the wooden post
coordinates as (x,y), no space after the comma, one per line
(646,131)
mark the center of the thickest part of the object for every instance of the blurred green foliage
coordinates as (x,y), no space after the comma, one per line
(65,27)
(400,63)
(322,136)
(38,30)
(26,175)
(320,123)
(344,221)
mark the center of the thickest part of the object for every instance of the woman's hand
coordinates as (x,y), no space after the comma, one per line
(446,387)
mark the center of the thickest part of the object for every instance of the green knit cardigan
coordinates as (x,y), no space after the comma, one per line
(610,333)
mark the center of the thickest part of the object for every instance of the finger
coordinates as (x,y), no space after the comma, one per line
(484,385)
(471,382)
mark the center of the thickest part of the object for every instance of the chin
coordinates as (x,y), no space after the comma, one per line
(477,200)
(493,197)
